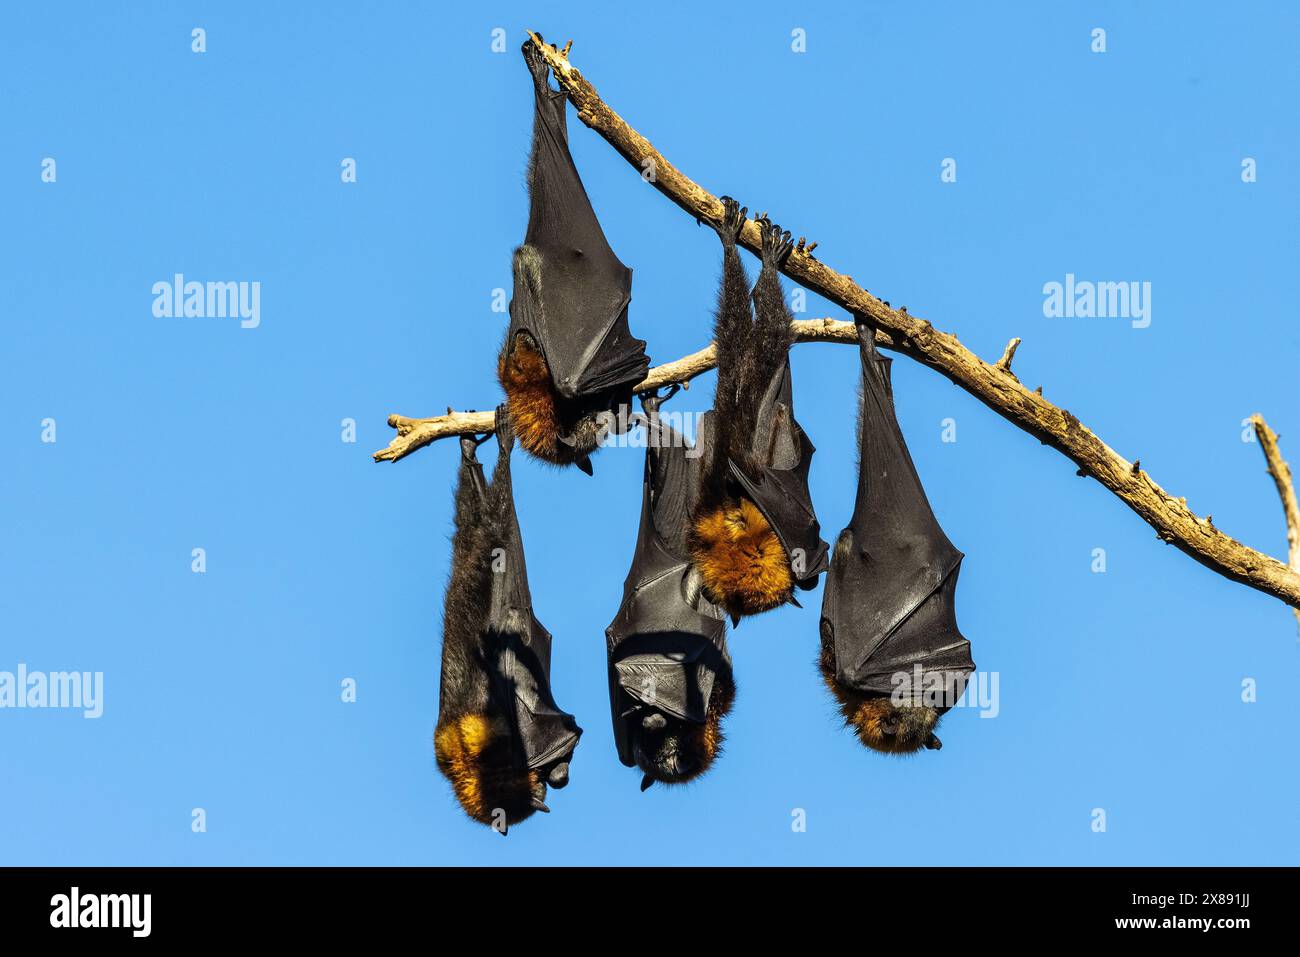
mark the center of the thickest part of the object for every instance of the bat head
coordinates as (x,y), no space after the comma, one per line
(880,722)
(478,755)
(672,750)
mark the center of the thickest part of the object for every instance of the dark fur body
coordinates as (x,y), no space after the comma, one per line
(744,566)
(478,743)
(568,362)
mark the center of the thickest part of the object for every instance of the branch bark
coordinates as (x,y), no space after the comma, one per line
(896,329)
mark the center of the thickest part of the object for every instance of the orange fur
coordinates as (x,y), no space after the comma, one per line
(708,737)
(477,764)
(908,727)
(534,410)
(741,561)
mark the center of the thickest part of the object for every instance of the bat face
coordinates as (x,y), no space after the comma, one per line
(892,653)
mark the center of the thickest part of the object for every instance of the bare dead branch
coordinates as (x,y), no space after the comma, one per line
(415,434)
(991,383)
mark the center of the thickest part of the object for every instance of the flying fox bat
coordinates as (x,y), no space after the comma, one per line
(891,652)
(670,678)
(569,360)
(754,533)
(501,738)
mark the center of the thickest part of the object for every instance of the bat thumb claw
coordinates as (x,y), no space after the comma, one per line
(559,775)
(654,722)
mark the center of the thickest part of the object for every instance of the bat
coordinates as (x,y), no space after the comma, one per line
(670,676)
(569,359)
(754,535)
(501,740)
(891,652)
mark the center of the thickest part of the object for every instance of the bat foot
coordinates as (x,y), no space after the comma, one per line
(505,429)
(775,243)
(733,221)
(537,64)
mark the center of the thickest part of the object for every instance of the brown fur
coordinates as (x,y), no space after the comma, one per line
(477,760)
(879,723)
(741,561)
(533,402)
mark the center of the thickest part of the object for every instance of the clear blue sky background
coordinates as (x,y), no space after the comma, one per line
(1119,690)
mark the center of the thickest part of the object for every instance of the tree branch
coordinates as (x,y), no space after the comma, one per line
(1281,473)
(415,434)
(991,383)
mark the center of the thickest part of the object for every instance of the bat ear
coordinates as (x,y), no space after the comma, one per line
(584,462)
(540,805)
(795,601)
(646,782)
(933,743)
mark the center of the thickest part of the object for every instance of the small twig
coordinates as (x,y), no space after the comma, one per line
(1008,354)
(1281,473)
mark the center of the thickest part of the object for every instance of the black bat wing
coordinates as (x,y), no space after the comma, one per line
(779,486)
(667,644)
(889,598)
(520,647)
(578,315)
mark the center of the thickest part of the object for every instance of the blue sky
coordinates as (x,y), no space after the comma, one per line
(1120,690)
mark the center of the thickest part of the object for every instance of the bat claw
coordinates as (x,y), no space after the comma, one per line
(733,221)
(504,429)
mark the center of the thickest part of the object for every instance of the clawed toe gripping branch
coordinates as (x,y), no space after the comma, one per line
(993,383)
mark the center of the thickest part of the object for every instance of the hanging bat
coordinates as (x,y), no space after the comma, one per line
(670,678)
(754,533)
(501,738)
(569,360)
(891,652)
